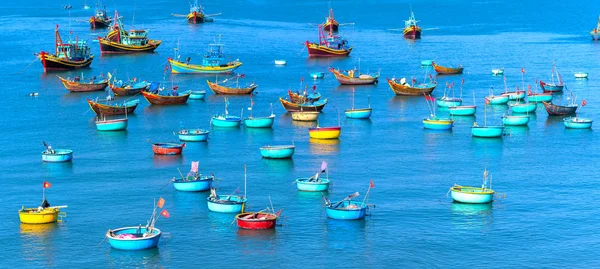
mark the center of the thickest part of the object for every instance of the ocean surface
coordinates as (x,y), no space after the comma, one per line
(549,217)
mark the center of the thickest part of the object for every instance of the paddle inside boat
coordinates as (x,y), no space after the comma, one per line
(193,181)
(347,209)
(315,183)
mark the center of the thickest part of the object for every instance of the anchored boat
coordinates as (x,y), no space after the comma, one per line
(325,132)
(197,95)
(433,122)
(358,113)
(67,56)
(154,96)
(278,152)
(354,77)
(119,41)
(197,14)
(577,123)
(168,148)
(330,46)
(486,131)
(496,99)
(515,120)
(100,18)
(446,101)
(553,86)
(259,122)
(221,89)
(330,23)
(138,237)
(401,87)
(226,120)
(213,62)
(193,135)
(314,183)
(227,203)
(79,84)
(498,72)
(127,88)
(193,181)
(104,124)
(443,70)
(474,195)
(307,106)
(596,32)
(108,107)
(411,29)
(305,115)
(347,209)
(44,213)
(56,155)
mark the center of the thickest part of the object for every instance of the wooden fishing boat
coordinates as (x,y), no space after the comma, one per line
(157,99)
(126,88)
(67,56)
(498,72)
(577,123)
(595,33)
(193,181)
(197,95)
(167,148)
(56,155)
(197,15)
(556,110)
(214,62)
(446,101)
(278,152)
(349,78)
(473,195)
(330,46)
(193,135)
(358,113)
(100,19)
(580,75)
(411,29)
(308,106)
(120,41)
(138,237)
(330,23)
(523,107)
(442,70)
(226,120)
(42,214)
(400,87)
(515,120)
(298,97)
(256,220)
(318,132)
(553,86)
(78,84)
(103,124)
(539,97)
(220,89)
(108,108)
(305,115)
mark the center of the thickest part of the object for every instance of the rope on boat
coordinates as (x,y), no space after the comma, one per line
(22,70)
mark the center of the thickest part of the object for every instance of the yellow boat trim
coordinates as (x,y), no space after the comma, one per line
(202,67)
(151,43)
(458,188)
(330,50)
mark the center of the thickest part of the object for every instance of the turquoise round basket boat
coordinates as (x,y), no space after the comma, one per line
(448,102)
(487,131)
(462,110)
(540,97)
(577,123)
(260,122)
(201,183)
(438,124)
(497,99)
(471,195)
(515,95)
(57,155)
(358,113)
(311,184)
(523,107)
(346,210)
(111,125)
(193,135)
(278,152)
(226,203)
(197,95)
(515,120)
(133,238)
(225,121)
(317,75)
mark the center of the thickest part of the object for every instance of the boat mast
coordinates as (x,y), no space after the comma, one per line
(353,91)
(244,181)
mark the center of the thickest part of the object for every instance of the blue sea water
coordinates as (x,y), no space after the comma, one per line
(548,173)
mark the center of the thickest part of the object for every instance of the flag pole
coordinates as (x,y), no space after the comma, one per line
(43,192)
(244,180)
(367,195)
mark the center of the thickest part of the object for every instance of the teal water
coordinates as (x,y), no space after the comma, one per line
(548,218)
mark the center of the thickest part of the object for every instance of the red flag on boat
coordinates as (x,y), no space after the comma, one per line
(176,87)
(165,213)
(243,75)
(504,78)
(279,212)
(583,102)
(462,81)
(314,87)
(529,90)
(302,79)
(161,202)
(371,184)
(195,167)
(46,184)
(523,70)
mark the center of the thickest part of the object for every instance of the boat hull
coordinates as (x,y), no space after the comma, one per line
(218,89)
(110,47)
(98,23)
(277,152)
(448,102)
(167,148)
(53,63)
(556,110)
(343,213)
(235,204)
(540,97)
(230,122)
(364,113)
(303,184)
(487,131)
(197,95)
(108,110)
(412,32)
(316,50)
(120,91)
(464,196)
(193,135)
(347,80)
(515,120)
(262,122)
(161,100)
(325,132)
(259,220)
(178,67)
(441,70)
(513,96)
(462,110)
(293,107)
(30,216)
(523,108)
(551,87)
(497,100)
(59,155)
(83,87)
(111,125)
(305,115)
(203,184)
(579,123)
(400,89)
(139,243)
(438,124)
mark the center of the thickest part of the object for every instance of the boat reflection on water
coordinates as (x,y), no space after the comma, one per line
(58,168)
(256,235)
(554,120)
(314,195)
(464,120)
(472,216)
(38,244)
(261,133)
(516,130)
(219,222)
(324,146)
(139,258)
(38,230)
(404,103)
(279,165)
(304,124)
(498,108)
(166,160)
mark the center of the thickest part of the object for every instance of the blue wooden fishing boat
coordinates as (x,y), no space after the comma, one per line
(193,135)
(193,181)
(516,95)
(539,97)
(523,107)
(515,120)
(133,238)
(140,237)
(56,155)
(213,62)
(314,183)
(226,120)
(278,152)
(473,195)
(103,124)
(553,86)
(317,75)
(462,110)
(577,123)
(197,95)
(358,113)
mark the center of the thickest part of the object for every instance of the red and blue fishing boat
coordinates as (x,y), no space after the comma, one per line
(197,14)
(120,41)
(213,62)
(553,86)
(596,32)
(138,237)
(100,19)
(193,181)
(67,56)
(128,87)
(108,107)
(79,84)
(160,96)
(168,148)
(411,29)
(330,23)
(330,46)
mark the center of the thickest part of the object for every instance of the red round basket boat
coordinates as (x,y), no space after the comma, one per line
(256,220)
(167,148)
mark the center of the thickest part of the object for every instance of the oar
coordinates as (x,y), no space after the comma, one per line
(212,15)
(346,199)
(178,15)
